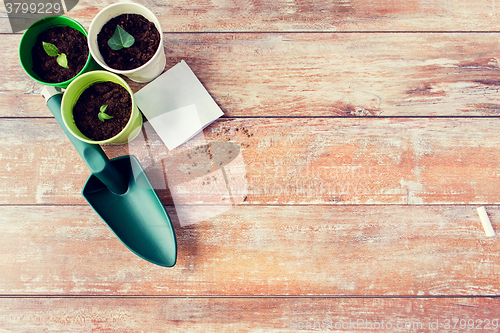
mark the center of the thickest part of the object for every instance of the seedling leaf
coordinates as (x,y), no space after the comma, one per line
(62,60)
(50,49)
(103,116)
(53,51)
(121,39)
(106,116)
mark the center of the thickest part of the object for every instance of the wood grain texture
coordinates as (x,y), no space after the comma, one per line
(246,315)
(345,74)
(258,250)
(318,74)
(307,15)
(281,161)
(289,211)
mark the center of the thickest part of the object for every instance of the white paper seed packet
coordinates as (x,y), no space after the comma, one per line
(177,105)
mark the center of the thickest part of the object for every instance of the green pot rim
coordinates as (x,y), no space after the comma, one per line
(29,36)
(76,88)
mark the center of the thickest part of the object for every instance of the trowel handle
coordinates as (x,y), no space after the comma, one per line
(92,155)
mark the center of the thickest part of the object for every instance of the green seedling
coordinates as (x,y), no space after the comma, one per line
(102,115)
(121,39)
(53,51)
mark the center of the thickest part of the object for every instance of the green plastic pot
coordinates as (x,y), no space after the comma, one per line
(28,41)
(78,86)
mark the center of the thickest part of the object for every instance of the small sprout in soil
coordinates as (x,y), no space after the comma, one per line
(53,51)
(120,39)
(103,116)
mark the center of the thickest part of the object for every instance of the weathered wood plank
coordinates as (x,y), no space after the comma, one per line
(317,240)
(258,250)
(307,15)
(248,314)
(24,105)
(275,161)
(329,74)
(38,163)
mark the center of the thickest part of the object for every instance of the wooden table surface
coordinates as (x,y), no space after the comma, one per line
(368,134)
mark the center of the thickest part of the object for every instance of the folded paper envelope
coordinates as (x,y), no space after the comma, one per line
(177,105)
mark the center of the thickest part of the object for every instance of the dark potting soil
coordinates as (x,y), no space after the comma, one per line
(147,39)
(70,42)
(87,108)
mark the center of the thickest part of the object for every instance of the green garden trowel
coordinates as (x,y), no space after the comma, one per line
(120,192)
